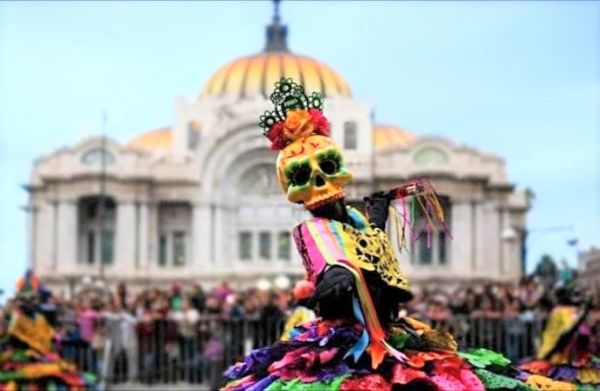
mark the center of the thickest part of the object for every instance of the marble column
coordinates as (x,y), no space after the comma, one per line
(490,246)
(124,262)
(219,231)
(66,239)
(144,236)
(478,235)
(505,250)
(152,259)
(201,236)
(461,247)
(43,250)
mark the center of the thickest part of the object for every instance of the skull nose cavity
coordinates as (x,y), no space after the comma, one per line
(319,181)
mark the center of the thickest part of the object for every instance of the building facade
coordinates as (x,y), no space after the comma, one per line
(589,270)
(199,201)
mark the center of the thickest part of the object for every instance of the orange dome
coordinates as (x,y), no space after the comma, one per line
(388,137)
(153,140)
(257,74)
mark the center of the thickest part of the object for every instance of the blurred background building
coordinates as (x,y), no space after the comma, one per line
(199,201)
(589,270)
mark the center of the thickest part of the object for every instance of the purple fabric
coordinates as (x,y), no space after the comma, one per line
(308,337)
(261,385)
(329,373)
(236,371)
(523,376)
(564,372)
(258,357)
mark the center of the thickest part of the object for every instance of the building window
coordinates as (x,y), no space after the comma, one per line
(350,135)
(193,134)
(96,229)
(264,245)
(162,250)
(424,251)
(193,138)
(430,156)
(174,221)
(442,248)
(91,247)
(179,248)
(97,156)
(245,245)
(434,252)
(108,238)
(283,245)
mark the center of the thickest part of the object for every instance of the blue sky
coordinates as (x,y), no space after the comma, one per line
(519,79)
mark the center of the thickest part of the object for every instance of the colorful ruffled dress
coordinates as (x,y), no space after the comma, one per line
(359,348)
(361,354)
(315,359)
(27,361)
(577,361)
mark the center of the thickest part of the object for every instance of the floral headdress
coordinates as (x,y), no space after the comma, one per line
(295,116)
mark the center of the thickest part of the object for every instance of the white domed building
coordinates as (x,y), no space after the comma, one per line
(199,201)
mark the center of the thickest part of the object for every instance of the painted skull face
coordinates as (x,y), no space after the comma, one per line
(311,171)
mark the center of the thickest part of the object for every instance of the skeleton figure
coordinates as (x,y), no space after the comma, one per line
(356,283)
(340,248)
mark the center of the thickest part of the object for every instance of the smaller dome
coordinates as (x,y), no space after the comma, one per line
(153,140)
(389,137)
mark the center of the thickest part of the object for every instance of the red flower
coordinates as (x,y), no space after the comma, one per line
(321,124)
(275,134)
(280,136)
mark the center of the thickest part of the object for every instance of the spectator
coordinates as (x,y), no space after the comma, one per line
(198,298)
(186,320)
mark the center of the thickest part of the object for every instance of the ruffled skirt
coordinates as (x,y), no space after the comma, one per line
(318,357)
(584,374)
(24,369)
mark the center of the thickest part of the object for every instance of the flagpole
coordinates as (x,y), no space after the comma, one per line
(102,204)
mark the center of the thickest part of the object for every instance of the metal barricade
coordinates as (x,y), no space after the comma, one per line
(159,354)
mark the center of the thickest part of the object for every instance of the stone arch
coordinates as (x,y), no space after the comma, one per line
(214,169)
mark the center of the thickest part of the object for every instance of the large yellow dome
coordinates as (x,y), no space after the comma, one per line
(257,75)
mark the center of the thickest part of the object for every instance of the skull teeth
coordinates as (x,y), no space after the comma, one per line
(326,200)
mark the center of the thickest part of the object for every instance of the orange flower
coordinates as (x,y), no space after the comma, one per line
(298,123)
(417,359)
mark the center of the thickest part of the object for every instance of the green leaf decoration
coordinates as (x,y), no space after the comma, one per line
(7,376)
(399,341)
(481,358)
(493,381)
(586,387)
(298,385)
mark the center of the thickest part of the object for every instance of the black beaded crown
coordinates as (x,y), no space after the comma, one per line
(287,96)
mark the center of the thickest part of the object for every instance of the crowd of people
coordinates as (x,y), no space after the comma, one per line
(155,327)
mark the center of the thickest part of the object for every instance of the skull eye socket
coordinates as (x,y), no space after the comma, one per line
(330,162)
(299,174)
(329,166)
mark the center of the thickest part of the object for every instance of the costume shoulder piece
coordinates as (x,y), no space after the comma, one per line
(323,242)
